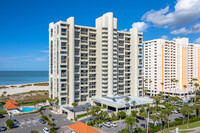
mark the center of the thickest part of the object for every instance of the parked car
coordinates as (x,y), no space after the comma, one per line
(107,124)
(46,130)
(139,117)
(100,125)
(175,112)
(42,121)
(1,116)
(113,124)
(137,120)
(15,121)
(3,128)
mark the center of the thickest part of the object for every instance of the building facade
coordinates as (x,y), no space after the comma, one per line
(100,61)
(171,66)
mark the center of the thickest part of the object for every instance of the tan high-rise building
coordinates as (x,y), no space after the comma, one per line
(86,62)
(170,65)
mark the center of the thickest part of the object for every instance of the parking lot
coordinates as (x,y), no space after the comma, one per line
(30,122)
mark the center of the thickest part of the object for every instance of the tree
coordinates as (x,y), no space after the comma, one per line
(168,110)
(157,99)
(87,109)
(130,122)
(134,113)
(150,88)
(162,117)
(10,123)
(103,115)
(4,93)
(93,112)
(197,107)
(127,99)
(186,110)
(121,115)
(74,105)
(196,85)
(145,115)
(124,131)
(143,90)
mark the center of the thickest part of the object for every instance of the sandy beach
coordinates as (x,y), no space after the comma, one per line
(15,90)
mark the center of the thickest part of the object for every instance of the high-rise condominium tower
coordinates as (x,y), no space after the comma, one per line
(170,66)
(93,61)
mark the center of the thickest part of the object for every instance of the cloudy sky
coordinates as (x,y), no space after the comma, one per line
(24,24)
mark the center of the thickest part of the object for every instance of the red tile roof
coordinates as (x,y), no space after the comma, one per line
(11,101)
(80,127)
(9,105)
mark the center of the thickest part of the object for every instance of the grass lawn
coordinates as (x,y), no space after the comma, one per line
(186,126)
(186,131)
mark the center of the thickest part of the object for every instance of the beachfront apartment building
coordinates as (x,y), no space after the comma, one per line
(100,61)
(169,65)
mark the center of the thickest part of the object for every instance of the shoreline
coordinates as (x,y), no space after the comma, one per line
(19,88)
(23,84)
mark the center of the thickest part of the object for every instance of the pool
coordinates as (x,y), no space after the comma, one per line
(28,109)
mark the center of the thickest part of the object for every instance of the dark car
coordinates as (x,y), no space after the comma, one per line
(139,117)
(15,121)
(137,120)
(1,116)
(3,128)
(42,121)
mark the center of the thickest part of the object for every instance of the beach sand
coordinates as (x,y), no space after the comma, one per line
(18,89)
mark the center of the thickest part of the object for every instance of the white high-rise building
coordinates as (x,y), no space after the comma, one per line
(169,66)
(86,62)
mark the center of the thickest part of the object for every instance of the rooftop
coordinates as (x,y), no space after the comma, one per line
(80,127)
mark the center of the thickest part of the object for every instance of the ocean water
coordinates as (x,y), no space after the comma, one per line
(23,77)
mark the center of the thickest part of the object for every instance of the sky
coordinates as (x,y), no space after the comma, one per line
(24,24)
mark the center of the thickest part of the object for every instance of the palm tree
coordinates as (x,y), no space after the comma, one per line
(185,87)
(133,102)
(4,93)
(150,89)
(168,110)
(162,117)
(176,81)
(187,110)
(196,85)
(74,105)
(157,99)
(127,99)
(197,107)
(190,83)
(93,112)
(144,81)
(87,109)
(145,115)
(130,122)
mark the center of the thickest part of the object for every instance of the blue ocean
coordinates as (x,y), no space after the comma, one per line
(23,77)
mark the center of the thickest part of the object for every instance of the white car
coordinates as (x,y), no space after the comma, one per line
(46,130)
(175,112)
(113,124)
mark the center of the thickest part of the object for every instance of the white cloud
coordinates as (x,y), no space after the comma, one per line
(142,26)
(184,12)
(197,40)
(164,37)
(44,51)
(125,30)
(194,29)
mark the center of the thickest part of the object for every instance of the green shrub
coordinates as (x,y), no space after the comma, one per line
(44,117)
(52,130)
(3,112)
(104,106)
(121,115)
(9,123)
(82,115)
(34,131)
(2,102)
(91,123)
(13,86)
(50,108)
(124,131)
(41,84)
(3,87)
